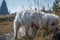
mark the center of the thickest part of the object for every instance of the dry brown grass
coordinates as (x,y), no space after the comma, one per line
(6,27)
(6,24)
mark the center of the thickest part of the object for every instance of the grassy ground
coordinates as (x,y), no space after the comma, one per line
(6,26)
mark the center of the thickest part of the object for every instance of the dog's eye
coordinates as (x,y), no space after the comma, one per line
(53,24)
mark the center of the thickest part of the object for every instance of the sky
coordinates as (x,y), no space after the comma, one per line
(16,5)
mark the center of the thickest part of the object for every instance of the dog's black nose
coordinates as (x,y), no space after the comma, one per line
(56,36)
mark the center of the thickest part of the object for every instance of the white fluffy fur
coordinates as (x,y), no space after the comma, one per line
(25,18)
